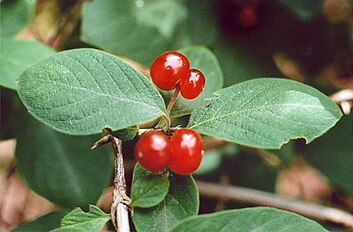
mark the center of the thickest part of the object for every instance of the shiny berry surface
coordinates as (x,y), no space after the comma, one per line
(185,151)
(152,151)
(168,69)
(192,85)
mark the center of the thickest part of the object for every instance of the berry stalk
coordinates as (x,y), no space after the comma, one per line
(173,100)
(165,122)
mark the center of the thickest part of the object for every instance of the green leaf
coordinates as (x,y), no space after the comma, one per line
(62,168)
(83,91)
(148,191)
(15,15)
(42,224)
(68,229)
(200,27)
(154,14)
(211,160)
(134,26)
(266,113)
(127,133)
(16,56)
(182,201)
(332,154)
(204,60)
(240,60)
(91,221)
(250,219)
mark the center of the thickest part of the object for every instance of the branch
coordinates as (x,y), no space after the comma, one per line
(256,197)
(61,24)
(119,208)
(67,23)
(6,192)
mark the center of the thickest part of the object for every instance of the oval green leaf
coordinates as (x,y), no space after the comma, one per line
(200,27)
(15,15)
(148,191)
(16,56)
(240,60)
(266,113)
(91,221)
(211,161)
(140,30)
(62,168)
(247,220)
(204,60)
(182,201)
(83,91)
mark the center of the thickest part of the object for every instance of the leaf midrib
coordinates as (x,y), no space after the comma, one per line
(139,199)
(70,169)
(251,109)
(102,94)
(88,222)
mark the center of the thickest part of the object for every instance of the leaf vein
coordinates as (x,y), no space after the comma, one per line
(98,94)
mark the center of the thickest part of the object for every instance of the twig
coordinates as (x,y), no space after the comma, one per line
(67,20)
(119,207)
(66,25)
(256,197)
(10,172)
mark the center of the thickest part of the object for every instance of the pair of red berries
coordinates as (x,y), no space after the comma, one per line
(182,153)
(171,69)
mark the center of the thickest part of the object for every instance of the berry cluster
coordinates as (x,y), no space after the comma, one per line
(182,153)
(171,70)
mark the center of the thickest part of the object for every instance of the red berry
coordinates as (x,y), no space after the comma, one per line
(168,69)
(185,151)
(152,151)
(192,86)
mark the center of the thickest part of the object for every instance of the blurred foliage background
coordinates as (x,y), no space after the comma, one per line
(310,41)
